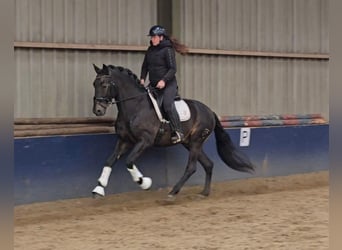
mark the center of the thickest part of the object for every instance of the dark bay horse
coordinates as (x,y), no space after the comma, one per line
(138,127)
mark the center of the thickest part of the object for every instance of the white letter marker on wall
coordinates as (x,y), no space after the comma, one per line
(245,136)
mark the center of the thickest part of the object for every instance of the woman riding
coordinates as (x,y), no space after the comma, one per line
(160,64)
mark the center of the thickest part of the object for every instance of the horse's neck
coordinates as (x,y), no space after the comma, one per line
(131,100)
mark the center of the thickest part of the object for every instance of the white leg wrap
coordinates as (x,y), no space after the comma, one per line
(103,180)
(146,183)
(136,175)
(99,190)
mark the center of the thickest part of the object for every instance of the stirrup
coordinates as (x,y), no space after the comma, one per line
(177,137)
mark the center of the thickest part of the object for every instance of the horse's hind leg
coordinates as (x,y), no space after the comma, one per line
(190,170)
(208,168)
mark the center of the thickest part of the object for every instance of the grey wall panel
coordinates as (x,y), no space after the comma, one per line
(262,25)
(247,86)
(80,21)
(55,83)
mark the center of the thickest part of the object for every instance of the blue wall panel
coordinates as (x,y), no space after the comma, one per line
(61,167)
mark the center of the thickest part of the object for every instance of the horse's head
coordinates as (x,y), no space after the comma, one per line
(104,90)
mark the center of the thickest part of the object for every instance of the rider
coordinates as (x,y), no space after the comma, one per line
(160,64)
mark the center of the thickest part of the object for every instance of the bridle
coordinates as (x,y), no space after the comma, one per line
(109,99)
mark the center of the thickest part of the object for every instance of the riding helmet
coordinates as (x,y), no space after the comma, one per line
(157,30)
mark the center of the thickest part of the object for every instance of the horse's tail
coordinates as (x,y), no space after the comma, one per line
(227,151)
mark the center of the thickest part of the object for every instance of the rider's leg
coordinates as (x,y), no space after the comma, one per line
(170,109)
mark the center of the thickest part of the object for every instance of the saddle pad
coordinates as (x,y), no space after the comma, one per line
(181,107)
(183,110)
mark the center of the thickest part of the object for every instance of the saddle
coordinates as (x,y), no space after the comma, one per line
(182,108)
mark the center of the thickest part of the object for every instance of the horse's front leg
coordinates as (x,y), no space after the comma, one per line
(144,182)
(121,147)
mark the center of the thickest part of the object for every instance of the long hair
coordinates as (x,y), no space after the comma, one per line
(179,47)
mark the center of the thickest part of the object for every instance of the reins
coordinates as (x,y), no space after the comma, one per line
(108,101)
(128,98)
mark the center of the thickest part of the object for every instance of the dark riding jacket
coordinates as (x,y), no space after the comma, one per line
(159,63)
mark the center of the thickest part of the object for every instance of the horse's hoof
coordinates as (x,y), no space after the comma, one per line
(196,197)
(169,200)
(97,196)
(98,192)
(171,197)
(203,195)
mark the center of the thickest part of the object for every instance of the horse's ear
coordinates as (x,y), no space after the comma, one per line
(105,69)
(97,69)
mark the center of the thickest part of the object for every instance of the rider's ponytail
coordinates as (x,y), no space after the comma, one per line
(179,47)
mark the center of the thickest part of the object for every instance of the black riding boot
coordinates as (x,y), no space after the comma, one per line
(176,127)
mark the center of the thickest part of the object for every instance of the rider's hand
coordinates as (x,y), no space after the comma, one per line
(142,81)
(161,84)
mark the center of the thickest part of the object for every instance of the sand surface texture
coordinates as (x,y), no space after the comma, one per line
(288,212)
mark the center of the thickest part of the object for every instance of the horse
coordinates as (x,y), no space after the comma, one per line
(138,127)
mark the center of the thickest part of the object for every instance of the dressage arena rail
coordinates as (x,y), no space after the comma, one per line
(29,127)
(24,127)
(55,167)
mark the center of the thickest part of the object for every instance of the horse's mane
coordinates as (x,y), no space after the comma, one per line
(125,71)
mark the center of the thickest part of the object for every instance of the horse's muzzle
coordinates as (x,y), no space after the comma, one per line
(99,110)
